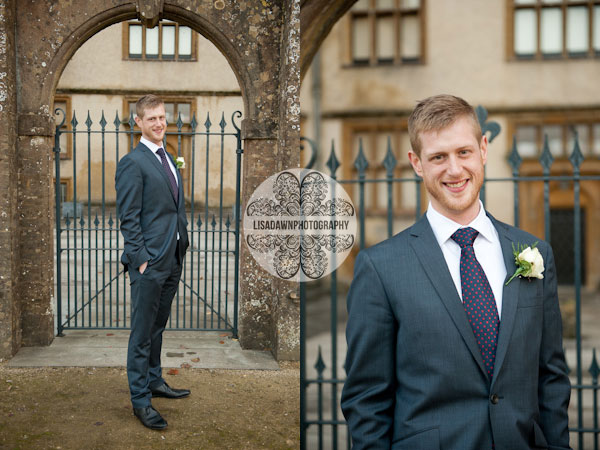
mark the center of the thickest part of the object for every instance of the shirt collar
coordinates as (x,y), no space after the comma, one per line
(151,145)
(444,228)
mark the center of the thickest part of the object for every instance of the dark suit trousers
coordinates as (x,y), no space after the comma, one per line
(151,295)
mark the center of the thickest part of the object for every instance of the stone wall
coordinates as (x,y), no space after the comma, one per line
(10,318)
(269,315)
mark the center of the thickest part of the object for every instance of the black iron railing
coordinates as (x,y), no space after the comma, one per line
(91,289)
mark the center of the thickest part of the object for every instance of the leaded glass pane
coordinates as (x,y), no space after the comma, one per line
(527,141)
(525,32)
(184,110)
(135,40)
(555,139)
(385,4)
(361,41)
(152,42)
(185,41)
(385,38)
(410,37)
(551,31)
(411,4)
(63,192)
(596,29)
(63,142)
(577,29)
(131,110)
(168,40)
(170,112)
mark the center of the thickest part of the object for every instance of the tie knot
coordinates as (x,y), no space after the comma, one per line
(465,236)
(161,152)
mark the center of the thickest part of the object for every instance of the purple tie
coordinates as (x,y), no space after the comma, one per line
(478,298)
(165,164)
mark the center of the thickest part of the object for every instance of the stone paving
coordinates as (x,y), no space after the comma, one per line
(108,348)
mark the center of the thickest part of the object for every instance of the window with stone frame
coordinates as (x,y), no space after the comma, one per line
(530,130)
(167,41)
(63,103)
(384,32)
(547,29)
(561,130)
(66,189)
(375,136)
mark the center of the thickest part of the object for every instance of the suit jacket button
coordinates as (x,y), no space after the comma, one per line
(494,399)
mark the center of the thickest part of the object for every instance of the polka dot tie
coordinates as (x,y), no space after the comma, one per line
(172,182)
(478,298)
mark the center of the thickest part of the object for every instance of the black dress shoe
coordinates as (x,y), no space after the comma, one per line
(150,418)
(166,391)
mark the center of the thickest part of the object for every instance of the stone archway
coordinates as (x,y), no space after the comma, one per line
(317,19)
(261,44)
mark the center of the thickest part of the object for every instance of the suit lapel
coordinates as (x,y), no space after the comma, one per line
(149,154)
(510,295)
(432,259)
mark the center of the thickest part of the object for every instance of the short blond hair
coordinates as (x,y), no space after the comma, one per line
(148,101)
(436,113)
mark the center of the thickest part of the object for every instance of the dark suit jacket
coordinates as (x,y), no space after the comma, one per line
(150,217)
(415,376)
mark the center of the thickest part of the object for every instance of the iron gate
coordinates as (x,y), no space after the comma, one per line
(91,288)
(322,424)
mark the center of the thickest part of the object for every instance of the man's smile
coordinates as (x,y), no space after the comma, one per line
(457,186)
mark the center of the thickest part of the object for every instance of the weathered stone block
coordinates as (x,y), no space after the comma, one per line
(10,325)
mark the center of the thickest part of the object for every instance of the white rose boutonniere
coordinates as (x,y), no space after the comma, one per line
(180,162)
(529,262)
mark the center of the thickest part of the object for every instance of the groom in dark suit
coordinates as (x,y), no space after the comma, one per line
(442,352)
(154,227)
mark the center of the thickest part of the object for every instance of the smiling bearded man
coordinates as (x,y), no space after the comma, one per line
(154,227)
(451,161)
(445,351)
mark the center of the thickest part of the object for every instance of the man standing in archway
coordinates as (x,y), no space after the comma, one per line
(154,227)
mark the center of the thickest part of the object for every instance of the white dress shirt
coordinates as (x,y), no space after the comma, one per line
(487,249)
(152,146)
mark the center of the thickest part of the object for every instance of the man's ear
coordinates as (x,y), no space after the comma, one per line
(483,148)
(137,121)
(415,161)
